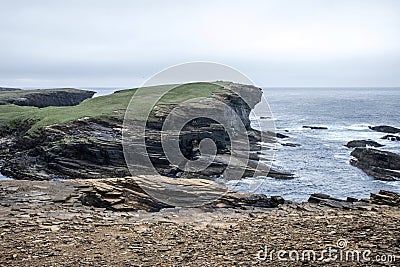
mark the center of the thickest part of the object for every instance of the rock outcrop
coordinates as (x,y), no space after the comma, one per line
(316,127)
(363,143)
(91,148)
(384,197)
(391,137)
(385,129)
(118,194)
(382,165)
(45,97)
(126,195)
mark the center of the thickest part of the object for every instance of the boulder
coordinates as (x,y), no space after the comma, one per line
(363,143)
(385,129)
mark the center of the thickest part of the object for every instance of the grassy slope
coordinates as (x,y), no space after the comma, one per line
(102,107)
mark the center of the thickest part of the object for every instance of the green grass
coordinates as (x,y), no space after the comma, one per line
(106,107)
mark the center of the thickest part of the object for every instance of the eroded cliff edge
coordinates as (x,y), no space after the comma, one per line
(44,97)
(86,141)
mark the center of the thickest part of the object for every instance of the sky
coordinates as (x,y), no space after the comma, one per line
(277,43)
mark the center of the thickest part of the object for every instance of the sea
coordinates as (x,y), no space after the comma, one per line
(321,163)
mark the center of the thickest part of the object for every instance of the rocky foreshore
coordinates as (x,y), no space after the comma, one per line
(380,164)
(49,224)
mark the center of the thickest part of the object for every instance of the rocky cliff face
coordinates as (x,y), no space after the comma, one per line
(45,97)
(92,148)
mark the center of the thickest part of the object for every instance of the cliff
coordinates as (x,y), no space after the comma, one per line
(2,89)
(44,97)
(85,141)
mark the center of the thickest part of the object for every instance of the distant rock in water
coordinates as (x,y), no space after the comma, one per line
(2,89)
(363,143)
(391,137)
(382,165)
(385,129)
(45,97)
(290,144)
(316,127)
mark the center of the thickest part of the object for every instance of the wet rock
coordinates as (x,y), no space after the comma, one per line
(382,165)
(290,144)
(279,135)
(363,143)
(319,197)
(385,129)
(391,137)
(316,127)
(280,174)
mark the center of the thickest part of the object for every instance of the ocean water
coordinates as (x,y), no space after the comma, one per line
(321,163)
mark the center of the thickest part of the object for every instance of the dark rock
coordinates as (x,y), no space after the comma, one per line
(290,144)
(385,129)
(385,198)
(279,135)
(45,97)
(391,137)
(382,165)
(316,127)
(318,197)
(327,200)
(277,199)
(351,199)
(363,143)
(279,174)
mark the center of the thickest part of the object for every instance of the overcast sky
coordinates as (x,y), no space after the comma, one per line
(276,43)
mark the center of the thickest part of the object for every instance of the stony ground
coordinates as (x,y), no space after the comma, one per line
(38,229)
